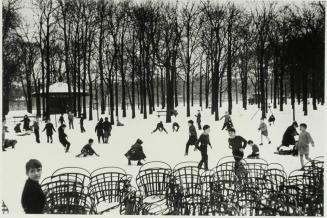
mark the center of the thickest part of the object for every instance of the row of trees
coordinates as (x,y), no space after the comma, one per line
(125,51)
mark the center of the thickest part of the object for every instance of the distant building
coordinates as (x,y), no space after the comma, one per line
(59,99)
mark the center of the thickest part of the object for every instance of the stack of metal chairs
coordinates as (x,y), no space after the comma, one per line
(249,187)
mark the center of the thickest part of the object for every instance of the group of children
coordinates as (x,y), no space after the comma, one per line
(33,198)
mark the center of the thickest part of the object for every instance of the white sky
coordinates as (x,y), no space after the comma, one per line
(29,17)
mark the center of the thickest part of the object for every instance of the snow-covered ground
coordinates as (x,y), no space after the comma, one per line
(158,146)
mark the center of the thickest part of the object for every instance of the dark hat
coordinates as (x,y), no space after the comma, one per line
(205,127)
(190,121)
(139,141)
(295,124)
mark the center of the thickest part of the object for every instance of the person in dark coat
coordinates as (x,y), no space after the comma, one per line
(198,119)
(136,153)
(61,119)
(9,143)
(99,130)
(175,127)
(288,137)
(17,128)
(271,119)
(237,144)
(49,127)
(203,148)
(26,121)
(81,122)
(87,150)
(192,136)
(63,137)
(106,129)
(160,127)
(36,128)
(33,199)
(255,150)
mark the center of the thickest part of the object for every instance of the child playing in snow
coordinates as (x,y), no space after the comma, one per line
(71,120)
(81,122)
(61,119)
(99,130)
(255,150)
(26,122)
(106,129)
(288,137)
(88,150)
(264,130)
(175,127)
(136,153)
(271,119)
(160,127)
(33,199)
(227,121)
(63,137)
(237,144)
(49,127)
(203,148)
(192,136)
(36,128)
(17,128)
(303,144)
(198,119)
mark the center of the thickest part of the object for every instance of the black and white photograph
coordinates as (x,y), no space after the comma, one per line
(163,107)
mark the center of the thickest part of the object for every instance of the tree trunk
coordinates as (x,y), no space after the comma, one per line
(192,92)
(162,91)
(314,93)
(229,69)
(200,89)
(305,92)
(38,100)
(184,93)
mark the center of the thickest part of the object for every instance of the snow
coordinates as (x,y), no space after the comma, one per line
(59,87)
(159,146)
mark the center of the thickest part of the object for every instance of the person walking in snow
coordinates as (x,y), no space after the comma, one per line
(198,119)
(237,144)
(192,136)
(264,130)
(71,120)
(49,130)
(99,130)
(106,129)
(81,123)
(36,128)
(303,144)
(204,141)
(61,119)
